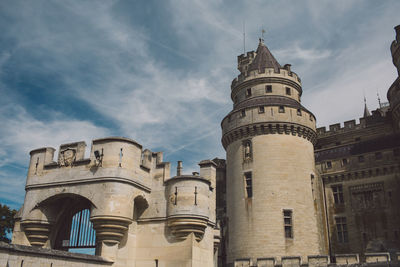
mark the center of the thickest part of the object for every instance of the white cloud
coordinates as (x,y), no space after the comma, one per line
(177,106)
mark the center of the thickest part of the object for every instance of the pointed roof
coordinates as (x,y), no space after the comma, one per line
(366,111)
(264,59)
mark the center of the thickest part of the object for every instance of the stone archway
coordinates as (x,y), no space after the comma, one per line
(50,221)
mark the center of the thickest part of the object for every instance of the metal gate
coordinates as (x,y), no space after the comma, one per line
(82,233)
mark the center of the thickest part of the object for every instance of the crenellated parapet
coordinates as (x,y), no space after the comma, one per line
(369,259)
(269,77)
(116,171)
(377,118)
(336,128)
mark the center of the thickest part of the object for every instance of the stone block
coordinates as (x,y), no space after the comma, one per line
(266,262)
(377,257)
(242,263)
(318,260)
(347,259)
(291,261)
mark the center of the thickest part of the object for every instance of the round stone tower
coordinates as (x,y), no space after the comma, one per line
(268,138)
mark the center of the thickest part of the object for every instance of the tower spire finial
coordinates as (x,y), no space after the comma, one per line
(366,111)
(262,36)
(379,99)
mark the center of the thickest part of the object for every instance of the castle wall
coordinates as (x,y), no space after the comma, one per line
(281,171)
(359,167)
(141,216)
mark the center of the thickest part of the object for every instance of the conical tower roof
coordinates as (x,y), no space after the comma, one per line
(264,59)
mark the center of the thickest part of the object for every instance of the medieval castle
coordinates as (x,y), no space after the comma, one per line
(288,193)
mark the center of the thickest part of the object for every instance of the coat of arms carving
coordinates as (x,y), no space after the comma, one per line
(67,157)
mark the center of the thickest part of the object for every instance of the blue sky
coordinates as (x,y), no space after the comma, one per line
(159,72)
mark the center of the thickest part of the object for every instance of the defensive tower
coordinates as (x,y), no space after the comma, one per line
(268,138)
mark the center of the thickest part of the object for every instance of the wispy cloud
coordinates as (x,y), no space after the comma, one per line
(160,72)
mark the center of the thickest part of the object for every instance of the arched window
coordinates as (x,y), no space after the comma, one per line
(77,234)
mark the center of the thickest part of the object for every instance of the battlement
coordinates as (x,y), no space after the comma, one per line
(337,128)
(369,259)
(378,116)
(110,152)
(284,72)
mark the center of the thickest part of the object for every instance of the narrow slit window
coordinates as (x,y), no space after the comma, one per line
(288,223)
(248,184)
(248,92)
(299,112)
(288,92)
(243,113)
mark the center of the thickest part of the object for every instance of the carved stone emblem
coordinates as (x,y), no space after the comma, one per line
(67,157)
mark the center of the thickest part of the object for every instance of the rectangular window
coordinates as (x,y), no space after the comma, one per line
(261,109)
(243,113)
(341,227)
(268,88)
(361,158)
(338,194)
(299,112)
(378,155)
(249,184)
(329,164)
(345,162)
(288,92)
(281,109)
(311,117)
(288,224)
(248,92)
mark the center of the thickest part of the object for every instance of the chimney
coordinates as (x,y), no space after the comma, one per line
(179,168)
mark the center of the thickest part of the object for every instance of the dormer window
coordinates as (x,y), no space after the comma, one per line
(268,88)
